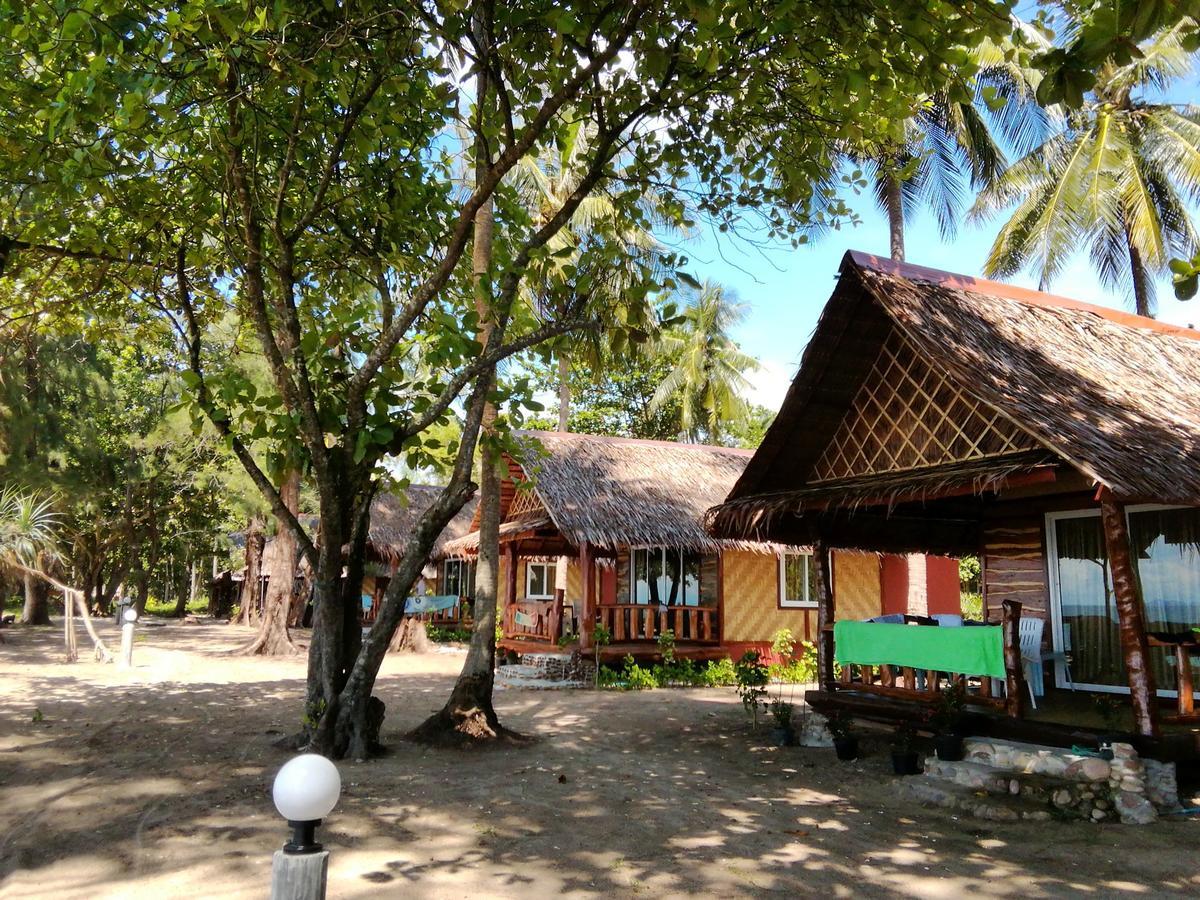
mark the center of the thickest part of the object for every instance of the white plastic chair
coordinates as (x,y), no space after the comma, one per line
(1033,654)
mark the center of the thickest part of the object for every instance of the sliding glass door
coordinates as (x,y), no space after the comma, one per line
(1166,546)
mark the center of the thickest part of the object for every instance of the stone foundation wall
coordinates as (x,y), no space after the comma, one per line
(1086,787)
(562,666)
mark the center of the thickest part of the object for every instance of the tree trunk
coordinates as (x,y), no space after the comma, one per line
(468,715)
(273,638)
(1143,284)
(252,583)
(564,392)
(37,603)
(894,202)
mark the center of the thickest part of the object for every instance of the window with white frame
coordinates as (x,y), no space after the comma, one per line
(539,580)
(664,576)
(797,580)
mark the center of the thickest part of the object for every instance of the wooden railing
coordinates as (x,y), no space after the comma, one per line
(907,683)
(533,620)
(639,622)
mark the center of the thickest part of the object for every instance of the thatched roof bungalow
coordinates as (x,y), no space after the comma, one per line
(1057,440)
(611,529)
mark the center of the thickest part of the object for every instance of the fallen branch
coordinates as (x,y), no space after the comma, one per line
(73,597)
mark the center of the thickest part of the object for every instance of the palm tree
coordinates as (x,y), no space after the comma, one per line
(709,373)
(28,524)
(950,146)
(544,182)
(1116,178)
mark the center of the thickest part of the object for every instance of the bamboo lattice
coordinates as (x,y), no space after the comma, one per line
(524,501)
(907,415)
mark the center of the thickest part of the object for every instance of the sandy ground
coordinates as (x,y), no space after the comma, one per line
(155,783)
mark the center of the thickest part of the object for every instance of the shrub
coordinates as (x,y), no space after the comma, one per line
(752,679)
(442,635)
(972,606)
(719,673)
(637,678)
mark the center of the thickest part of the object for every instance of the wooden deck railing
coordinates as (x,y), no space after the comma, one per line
(906,683)
(533,620)
(639,622)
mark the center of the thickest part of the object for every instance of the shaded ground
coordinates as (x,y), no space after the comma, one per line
(155,783)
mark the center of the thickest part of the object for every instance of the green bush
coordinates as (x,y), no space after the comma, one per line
(719,673)
(675,673)
(799,669)
(972,606)
(157,607)
(442,635)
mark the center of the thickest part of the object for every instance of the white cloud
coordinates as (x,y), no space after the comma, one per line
(770,383)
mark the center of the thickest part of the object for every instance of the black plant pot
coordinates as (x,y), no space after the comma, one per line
(906,762)
(1105,744)
(846,748)
(785,736)
(949,747)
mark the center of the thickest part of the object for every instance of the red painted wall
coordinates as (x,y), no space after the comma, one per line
(941,575)
(893,576)
(608,585)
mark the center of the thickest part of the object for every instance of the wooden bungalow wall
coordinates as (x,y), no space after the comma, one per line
(1013,566)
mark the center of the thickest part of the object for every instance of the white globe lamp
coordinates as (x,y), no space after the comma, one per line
(306,790)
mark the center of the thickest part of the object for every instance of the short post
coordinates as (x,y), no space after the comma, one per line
(1014,701)
(129,618)
(826,614)
(306,790)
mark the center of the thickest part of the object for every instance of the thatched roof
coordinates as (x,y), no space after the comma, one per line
(1112,395)
(620,492)
(394,516)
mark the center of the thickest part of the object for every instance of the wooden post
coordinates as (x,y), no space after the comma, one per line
(1010,623)
(299,876)
(587,573)
(1130,617)
(826,612)
(1183,669)
(510,574)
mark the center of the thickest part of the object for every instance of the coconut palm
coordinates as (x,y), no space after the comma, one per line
(952,147)
(544,182)
(1115,178)
(709,373)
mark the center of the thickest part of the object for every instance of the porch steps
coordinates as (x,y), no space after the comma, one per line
(1011,781)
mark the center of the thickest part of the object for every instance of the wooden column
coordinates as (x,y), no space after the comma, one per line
(510,574)
(587,574)
(1130,617)
(1010,623)
(826,612)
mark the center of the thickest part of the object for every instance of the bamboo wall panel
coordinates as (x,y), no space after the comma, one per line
(1014,566)
(856,585)
(751,598)
(909,415)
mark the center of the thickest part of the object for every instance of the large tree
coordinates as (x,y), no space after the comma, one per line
(1117,178)
(293,165)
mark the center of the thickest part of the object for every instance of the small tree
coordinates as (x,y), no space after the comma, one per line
(752,679)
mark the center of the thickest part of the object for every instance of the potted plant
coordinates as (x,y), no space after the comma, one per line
(1108,707)
(946,723)
(784,731)
(845,742)
(905,760)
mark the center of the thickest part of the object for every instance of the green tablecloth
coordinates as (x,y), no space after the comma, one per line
(963,650)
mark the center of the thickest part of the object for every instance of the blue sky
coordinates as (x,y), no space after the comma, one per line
(786,289)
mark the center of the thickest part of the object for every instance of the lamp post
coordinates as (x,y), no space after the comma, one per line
(130,616)
(305,791)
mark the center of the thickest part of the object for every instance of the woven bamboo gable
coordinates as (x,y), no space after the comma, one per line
(909,415)
(525,500)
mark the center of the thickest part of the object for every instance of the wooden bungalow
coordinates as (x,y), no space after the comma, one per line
(610,530)
(1059,441)
(394,516)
